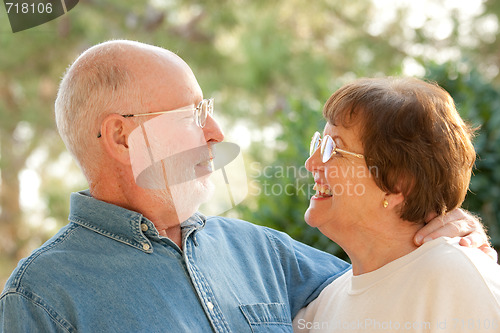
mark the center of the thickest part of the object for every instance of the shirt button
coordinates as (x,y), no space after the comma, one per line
(210,305)
(146,246)
(144,227)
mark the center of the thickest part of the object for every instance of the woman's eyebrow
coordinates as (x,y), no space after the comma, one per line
(338,140)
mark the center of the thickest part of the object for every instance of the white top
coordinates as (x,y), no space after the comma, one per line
(440,287)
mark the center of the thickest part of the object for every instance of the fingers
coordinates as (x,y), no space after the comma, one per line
(428,229)
(457,223)
(474,239)
(490,252)
(436,228)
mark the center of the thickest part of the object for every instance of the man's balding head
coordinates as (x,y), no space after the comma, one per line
(114,77)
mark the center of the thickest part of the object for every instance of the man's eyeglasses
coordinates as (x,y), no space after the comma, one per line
(328,147)
(200,113)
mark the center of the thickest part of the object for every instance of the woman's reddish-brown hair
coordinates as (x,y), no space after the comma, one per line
(414,141)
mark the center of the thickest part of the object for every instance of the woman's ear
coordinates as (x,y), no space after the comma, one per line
(394,199)
(115,130)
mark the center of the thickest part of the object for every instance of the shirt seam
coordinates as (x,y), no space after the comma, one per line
(53,315)
(138,246)
(202,287)
(281,323)
(272,240)
(263,322)
(422,251)
(59,240)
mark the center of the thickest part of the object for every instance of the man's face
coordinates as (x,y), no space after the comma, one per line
(170,153)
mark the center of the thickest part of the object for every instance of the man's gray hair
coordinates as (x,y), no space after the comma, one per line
(98,83)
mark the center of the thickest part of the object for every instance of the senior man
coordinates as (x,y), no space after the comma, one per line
(137,258)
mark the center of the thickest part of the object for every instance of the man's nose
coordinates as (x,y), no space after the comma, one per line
(212,130)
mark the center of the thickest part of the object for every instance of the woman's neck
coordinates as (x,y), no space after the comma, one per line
(371,248)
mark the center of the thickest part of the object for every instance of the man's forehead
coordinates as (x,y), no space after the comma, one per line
(160,78)
(162,75)
(132,54)
(155,59)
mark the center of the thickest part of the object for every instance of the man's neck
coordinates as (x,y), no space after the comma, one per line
(174,234)
(166,221)
(160,211)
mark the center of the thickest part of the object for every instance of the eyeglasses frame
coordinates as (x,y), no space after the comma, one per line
(322,143)
(210,112)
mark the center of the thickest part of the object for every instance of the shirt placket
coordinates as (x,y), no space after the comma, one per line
(205,293)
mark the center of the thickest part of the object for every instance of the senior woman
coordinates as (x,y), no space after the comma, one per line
(394,154)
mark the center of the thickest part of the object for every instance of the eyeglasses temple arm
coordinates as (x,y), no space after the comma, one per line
(349,153)
(189,108)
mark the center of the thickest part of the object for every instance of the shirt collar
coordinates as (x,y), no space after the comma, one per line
(120,223)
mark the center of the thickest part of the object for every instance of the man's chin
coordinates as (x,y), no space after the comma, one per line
(188,197)
(206,189)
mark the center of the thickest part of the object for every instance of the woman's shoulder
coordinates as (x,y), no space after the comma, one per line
(445,262)
(446,254)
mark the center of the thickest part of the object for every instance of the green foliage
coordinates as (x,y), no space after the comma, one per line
(270,65)
(479,102)
(282,185)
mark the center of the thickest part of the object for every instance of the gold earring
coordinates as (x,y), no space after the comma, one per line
(385,203)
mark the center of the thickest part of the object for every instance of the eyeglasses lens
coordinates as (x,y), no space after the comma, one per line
(314,143)
(205,108)
(327,148)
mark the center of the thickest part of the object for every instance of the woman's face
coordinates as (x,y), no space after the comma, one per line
(346,193)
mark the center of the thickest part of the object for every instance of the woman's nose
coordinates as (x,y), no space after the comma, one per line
(313,163)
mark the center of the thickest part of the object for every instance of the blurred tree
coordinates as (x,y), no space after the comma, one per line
(284,186)
(270,65)
(27,90)
(479,102)
(281,188)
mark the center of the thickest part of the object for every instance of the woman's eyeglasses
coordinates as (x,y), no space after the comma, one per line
(328,147)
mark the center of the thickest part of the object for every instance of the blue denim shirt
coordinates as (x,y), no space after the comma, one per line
(109,270)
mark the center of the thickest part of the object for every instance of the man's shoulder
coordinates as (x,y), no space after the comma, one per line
(231,222)
(237,227)
(254,238)
(43,261)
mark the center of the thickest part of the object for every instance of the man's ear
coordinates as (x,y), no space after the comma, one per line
(115,130)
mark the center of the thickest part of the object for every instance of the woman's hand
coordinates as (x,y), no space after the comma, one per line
(457,223)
